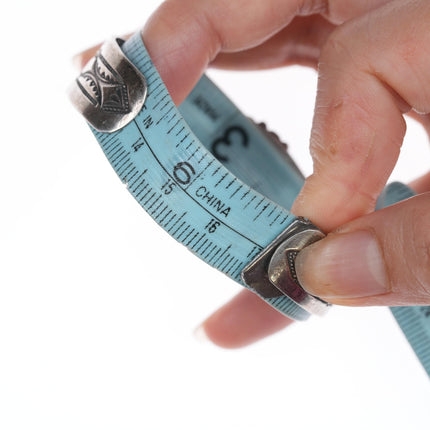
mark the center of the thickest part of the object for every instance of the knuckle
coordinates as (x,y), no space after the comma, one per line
(349,45)
(338,46)
(344,131)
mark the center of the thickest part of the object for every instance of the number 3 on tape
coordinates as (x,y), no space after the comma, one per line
(212,178)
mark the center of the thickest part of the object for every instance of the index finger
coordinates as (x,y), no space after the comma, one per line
(184,36)
(372,71)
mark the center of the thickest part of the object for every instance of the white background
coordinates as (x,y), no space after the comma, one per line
(84,342)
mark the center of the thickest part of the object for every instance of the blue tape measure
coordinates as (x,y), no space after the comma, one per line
(213,179)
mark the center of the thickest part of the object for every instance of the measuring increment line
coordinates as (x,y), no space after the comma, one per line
(189,195)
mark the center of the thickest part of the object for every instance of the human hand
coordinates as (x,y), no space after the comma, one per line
(372,70)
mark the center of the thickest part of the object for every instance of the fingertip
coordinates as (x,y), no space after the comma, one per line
(200,334)
(421,184)
(79,60)
(179,46)
(328,203)
(242,321)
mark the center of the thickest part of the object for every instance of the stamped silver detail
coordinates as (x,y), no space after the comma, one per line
(274,267)
(110,91)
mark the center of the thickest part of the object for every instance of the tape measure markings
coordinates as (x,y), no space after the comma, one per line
(415,323)
(191,197)
(226,222)
(234,269)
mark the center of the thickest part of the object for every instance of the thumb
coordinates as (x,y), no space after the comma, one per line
(379,259)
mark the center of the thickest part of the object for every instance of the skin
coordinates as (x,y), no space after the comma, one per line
(372,58)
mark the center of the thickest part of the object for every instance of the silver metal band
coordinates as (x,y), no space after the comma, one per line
(274,268)
(110,91)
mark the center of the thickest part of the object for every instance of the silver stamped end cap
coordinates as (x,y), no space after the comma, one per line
(110,91)
(272,273)
(282,270)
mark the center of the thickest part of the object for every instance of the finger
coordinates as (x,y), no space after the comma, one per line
(339,11)
(243,320)
(83,57)
(421,184)
(298,43)
(184,36)
(362,94)
(380,259)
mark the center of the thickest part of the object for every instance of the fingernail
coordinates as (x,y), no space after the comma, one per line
(200,334)
(343,266)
